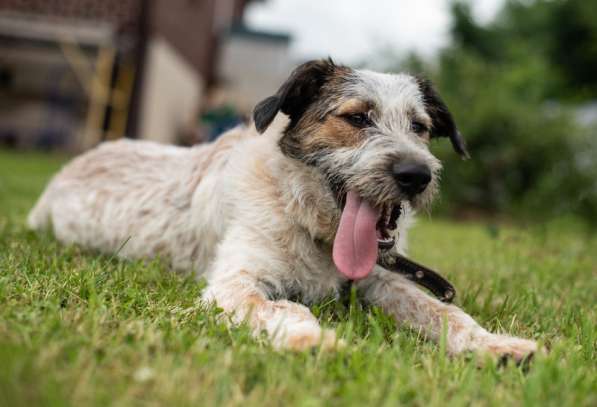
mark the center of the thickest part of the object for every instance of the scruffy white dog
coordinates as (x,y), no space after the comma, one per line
(292,209)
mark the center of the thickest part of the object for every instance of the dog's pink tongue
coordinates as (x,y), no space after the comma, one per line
(355,246)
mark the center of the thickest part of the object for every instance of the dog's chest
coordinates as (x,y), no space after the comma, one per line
(311,273)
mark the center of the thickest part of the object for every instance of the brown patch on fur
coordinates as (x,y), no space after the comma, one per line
(334,132)
(301,342)
(254,301)
(144,212)
(264,174)
(267,188)
(215,152)
(354,106)
(160,248)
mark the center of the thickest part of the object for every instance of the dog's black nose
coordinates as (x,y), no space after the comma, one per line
(412,177)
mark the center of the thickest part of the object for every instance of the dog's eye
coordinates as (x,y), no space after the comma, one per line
(360,120)
(418,127)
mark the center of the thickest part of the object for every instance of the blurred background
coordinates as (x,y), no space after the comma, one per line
(519,76)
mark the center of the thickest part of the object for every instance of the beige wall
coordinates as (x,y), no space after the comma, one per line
(252,70)
(171,94)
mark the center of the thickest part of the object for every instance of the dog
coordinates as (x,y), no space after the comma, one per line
(321,185)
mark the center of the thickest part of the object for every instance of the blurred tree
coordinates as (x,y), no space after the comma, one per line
(506,84)
(573,44)
(563,32)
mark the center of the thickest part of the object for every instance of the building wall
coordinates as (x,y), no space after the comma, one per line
(193,27)
(171,45)
(252,69)
(122,13)
(171,93)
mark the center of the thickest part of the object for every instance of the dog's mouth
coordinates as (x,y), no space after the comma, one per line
(388,222)
(363,230)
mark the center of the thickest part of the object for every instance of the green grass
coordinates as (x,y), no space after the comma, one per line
(77,328)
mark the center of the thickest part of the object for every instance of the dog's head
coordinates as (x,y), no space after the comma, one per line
(369,135)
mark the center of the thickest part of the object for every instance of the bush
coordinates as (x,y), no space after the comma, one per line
(527,154)
(530,158)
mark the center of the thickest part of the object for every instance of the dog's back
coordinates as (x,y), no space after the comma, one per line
(131,196)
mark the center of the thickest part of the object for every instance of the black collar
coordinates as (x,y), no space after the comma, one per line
(421,275)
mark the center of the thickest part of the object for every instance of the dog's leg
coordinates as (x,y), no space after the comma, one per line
(235,284)
(288,325)
(413,307)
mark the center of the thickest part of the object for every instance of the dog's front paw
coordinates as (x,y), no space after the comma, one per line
(503,348)
(302,338)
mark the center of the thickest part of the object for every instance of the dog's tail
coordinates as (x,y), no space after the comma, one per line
(39,216)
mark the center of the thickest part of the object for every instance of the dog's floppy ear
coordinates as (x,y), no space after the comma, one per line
(295,95)
(442,122)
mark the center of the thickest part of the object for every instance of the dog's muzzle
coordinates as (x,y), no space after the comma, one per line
(412,177)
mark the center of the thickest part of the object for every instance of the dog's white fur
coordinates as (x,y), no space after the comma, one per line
(254,223)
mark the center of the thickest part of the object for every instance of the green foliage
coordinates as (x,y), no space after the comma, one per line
(510,85)
(561,32)
(525,156)
(78,328)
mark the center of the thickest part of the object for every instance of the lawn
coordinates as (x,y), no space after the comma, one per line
(78,328)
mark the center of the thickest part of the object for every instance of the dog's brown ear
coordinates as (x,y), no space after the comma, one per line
(442,122)
(295,95)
